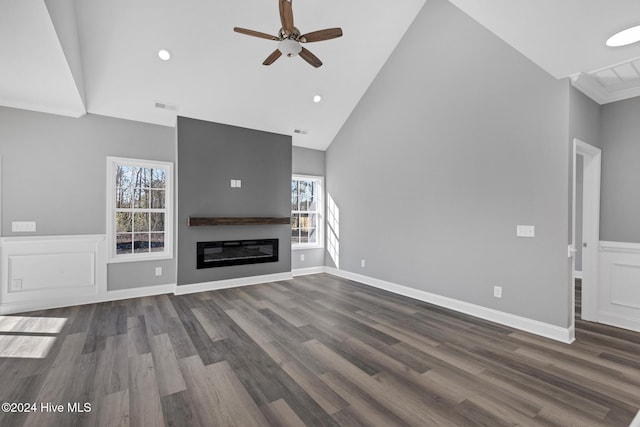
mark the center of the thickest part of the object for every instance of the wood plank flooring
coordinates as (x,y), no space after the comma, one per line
(314,351)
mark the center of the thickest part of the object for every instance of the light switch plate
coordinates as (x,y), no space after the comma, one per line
(497,291)
(526,231)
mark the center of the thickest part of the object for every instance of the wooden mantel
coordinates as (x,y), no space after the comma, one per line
(198,221)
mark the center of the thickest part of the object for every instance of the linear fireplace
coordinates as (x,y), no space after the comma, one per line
(236,252)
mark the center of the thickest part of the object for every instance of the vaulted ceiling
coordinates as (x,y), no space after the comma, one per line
(100,56)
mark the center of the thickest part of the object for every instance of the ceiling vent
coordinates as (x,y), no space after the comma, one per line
(164,106)
(300,131)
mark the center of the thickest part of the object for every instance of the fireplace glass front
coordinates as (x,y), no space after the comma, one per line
(236,252)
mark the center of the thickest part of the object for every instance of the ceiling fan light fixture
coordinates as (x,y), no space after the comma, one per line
(625,37)
(289,47)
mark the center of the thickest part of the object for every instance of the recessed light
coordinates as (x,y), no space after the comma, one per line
(317,98)
(625,37)
(164,54)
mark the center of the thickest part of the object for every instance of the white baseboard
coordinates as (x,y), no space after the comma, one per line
(536,327)
(308,270)
(147,291)
(14,307)
(566,335)
(577,274)
(231,283)
(24,306)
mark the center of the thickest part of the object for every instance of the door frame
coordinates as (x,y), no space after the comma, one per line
(592,165)
(0,224)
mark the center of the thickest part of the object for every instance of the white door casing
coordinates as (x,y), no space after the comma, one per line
(590,227)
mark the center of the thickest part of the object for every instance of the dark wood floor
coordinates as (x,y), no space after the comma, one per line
(315,351)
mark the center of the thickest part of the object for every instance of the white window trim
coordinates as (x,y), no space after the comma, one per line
(321,225)
(112,257)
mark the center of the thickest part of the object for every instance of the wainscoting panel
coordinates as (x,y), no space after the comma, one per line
(49,271)
(625,287)
(619,285)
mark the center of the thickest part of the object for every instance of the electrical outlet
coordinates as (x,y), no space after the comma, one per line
(363,263)
(158,271)
(301,257)
(23,226)
(16,284)
(497,291)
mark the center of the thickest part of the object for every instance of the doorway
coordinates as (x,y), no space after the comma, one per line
(585,229)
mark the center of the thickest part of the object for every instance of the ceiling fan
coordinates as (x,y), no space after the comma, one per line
(289,37)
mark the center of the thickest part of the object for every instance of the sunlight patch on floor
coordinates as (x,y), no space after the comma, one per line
(28,337)
(32,325)
(25,346)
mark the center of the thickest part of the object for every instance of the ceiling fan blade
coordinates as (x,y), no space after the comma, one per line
(286,15)
(272,58)
(254,33)
(316,36)
(310,58)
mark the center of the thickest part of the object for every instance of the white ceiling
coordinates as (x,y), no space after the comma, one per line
(100,56)
(564,37)
(35,73)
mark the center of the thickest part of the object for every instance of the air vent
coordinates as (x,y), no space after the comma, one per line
(164,106)
(300,131)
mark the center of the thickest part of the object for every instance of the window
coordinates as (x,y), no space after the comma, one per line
(306,212)
(139,199)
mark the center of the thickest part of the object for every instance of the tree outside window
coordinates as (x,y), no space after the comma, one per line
(306,211)
(140,209)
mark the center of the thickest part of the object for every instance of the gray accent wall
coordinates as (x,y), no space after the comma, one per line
(54,173)
(306,161)
(459,139)
(209,156)
(620,198)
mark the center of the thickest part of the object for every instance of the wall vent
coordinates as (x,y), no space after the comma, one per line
(164,106)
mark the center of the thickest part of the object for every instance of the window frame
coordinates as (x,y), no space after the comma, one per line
(319,212)
(167,253)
